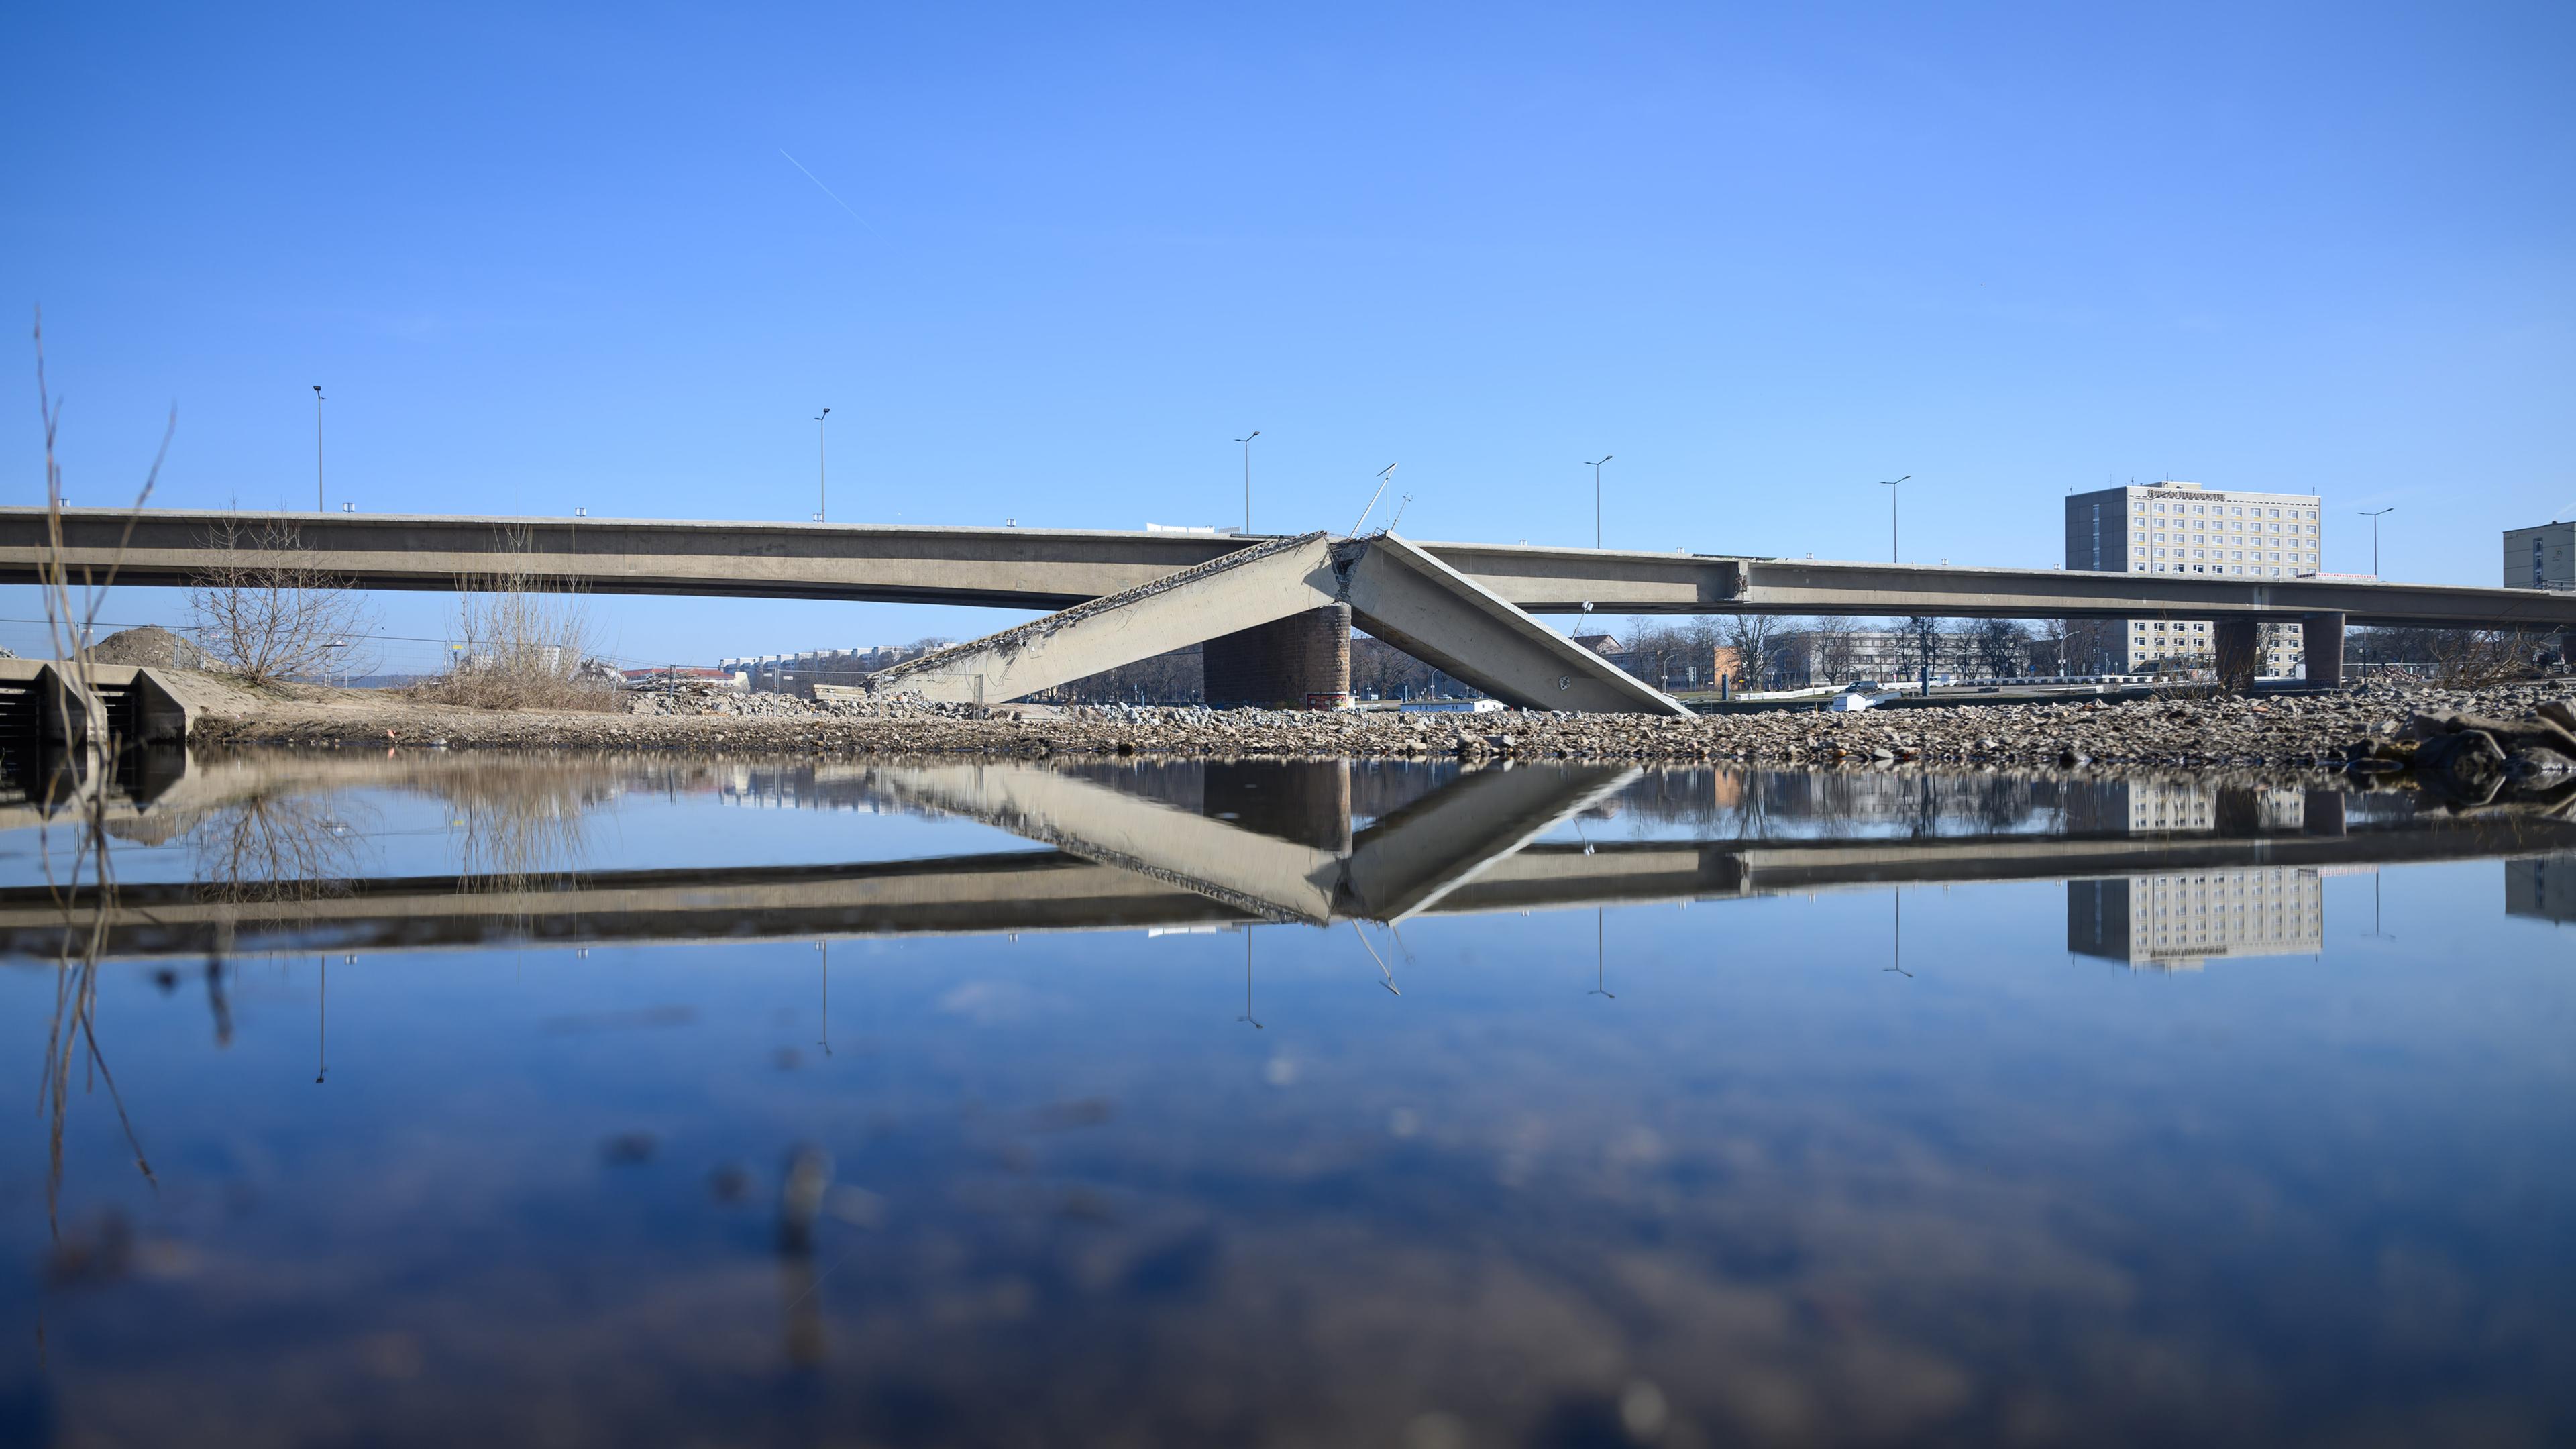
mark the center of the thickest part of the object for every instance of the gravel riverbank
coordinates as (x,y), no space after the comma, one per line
(2275,732)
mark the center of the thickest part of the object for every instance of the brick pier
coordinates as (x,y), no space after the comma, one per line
(1277,665)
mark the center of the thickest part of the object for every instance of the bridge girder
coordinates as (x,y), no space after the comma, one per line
(1048,569)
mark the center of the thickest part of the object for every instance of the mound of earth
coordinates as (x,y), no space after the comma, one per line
(150,645)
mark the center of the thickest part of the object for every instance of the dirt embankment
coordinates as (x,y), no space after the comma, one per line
(2307,731)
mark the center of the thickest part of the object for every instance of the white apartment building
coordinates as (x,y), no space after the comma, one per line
(2178,921)
(2183,528)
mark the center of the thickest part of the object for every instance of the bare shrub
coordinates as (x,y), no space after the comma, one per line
(522,642)
(2459,658)
(2466,658)
(264,613)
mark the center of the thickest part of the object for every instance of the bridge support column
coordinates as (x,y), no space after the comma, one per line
(1282,664)
(1307,801)
(2321,637)
(2239,645)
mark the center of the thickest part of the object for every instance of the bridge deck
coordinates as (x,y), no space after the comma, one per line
(1046,569)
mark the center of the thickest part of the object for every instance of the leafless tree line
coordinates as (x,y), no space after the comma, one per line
(1770,650)
(2458,657)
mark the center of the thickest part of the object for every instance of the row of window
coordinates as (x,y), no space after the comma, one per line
(2220,508)
(2225,537)
(2259,570)
(2223,553)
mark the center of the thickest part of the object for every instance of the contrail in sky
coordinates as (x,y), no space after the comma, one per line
(827,191)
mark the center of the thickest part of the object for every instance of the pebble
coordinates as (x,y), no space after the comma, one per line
(2308,731)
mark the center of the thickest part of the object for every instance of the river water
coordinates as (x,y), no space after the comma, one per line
(431,1099)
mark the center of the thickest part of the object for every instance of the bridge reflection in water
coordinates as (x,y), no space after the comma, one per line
(2159,872)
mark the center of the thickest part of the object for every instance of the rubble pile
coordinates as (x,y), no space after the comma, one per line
(2281,731)
(2475,757)
(698,701)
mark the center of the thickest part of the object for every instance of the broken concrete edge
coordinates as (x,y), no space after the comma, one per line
(1008,640)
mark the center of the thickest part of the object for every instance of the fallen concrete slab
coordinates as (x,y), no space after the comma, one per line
(1440,616)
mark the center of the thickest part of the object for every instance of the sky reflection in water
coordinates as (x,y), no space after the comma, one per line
(660,1101)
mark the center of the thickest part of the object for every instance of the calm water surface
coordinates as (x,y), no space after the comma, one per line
(442,1099)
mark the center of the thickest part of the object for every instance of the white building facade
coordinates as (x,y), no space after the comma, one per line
(2183,528)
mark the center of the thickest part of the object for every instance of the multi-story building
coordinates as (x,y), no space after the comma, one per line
(2183,528)
(2540,558)
(1803,657)
(2178,921)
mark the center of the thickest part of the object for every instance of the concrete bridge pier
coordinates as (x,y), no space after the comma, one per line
(1307,801)
(1279,665)
(2239,647)
(2321,638)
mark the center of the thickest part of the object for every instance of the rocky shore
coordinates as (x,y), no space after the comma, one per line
(2289,731)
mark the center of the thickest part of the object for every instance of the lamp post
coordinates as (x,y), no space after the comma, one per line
(2373,516)
(317,448)
(1595,466)
(1890,485)
(822,472)
(1374,497)
(1246,441)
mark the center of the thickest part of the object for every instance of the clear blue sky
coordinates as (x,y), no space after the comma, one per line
(1764,255)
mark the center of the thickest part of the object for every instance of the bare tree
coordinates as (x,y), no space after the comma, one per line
(1837,652)
(1753,637)
(2052,639)
(1999,647)
(264,612)
(276,847)
(1924,644)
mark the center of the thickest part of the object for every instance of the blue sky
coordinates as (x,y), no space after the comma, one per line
(1765,256)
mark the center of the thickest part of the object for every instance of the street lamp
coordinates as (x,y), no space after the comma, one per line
(1374,497)
(317,449)
(1247,478)
(822,476)
(1890,484)
(2373,516)
(1595,466)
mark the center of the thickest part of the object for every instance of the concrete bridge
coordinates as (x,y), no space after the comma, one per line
(1102,858)
(1269,609)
